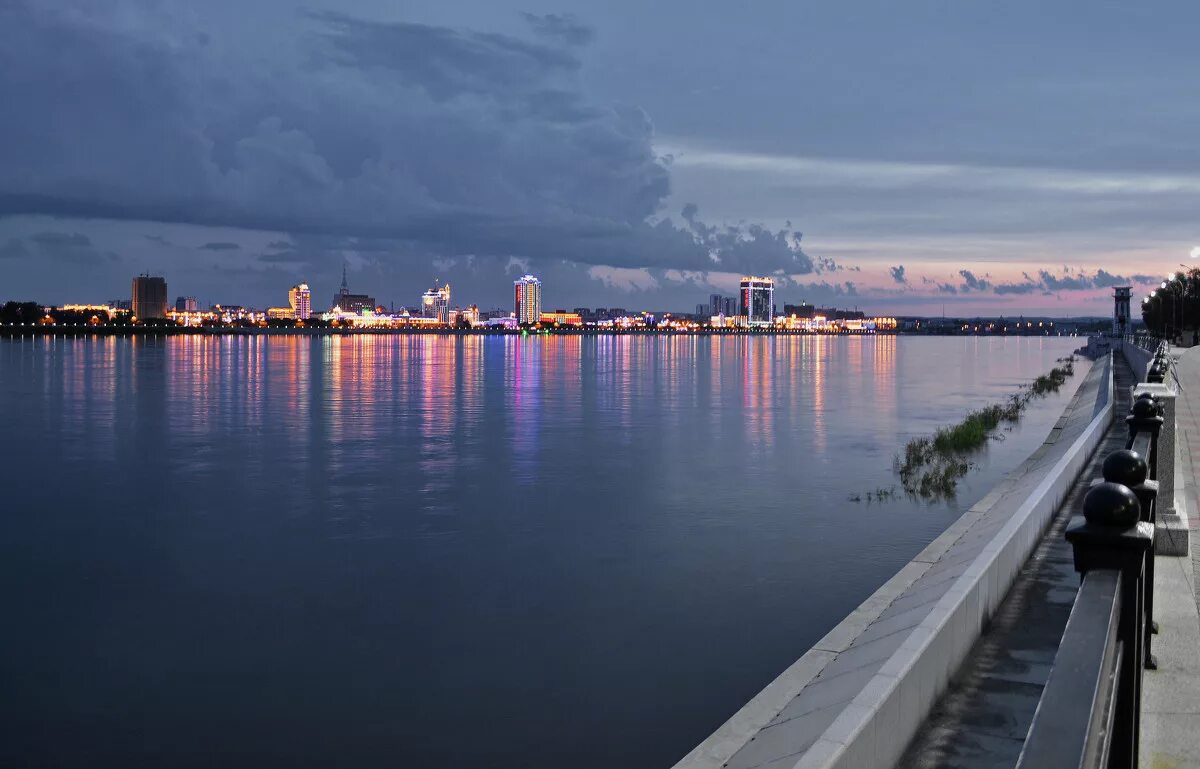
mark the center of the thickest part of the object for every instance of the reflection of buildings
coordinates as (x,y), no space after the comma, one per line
(149,297)
(758,300)
(300,298)
(527,291)
(352,303)
(435,303)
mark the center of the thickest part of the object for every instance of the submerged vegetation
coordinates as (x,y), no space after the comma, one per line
(930,467)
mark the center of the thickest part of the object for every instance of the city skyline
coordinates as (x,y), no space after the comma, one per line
(617,186)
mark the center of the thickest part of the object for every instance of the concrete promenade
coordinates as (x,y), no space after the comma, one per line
(1171,700)
(983,718)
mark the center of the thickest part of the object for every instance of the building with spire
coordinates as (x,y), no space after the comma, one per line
(353,303)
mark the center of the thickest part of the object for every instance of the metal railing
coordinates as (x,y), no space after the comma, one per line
(1089,713)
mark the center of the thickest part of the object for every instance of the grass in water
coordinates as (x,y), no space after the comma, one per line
(930,467)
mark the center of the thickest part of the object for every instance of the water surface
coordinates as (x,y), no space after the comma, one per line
(434,551)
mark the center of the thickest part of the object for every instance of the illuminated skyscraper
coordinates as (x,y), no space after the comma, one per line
(149,297)
(758,300)
(300,298)
(527,292)
(435,303)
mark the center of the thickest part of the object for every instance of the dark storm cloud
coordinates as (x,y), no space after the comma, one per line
(446,141)
(443,62)
(897,274)
(14,248)
(74,248)
(61,239)
(565,28)
(220,246)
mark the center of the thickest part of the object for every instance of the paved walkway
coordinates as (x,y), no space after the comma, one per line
(1171,700)
(983,718)
(1187,415)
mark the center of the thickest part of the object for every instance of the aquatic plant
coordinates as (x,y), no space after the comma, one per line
(930,467)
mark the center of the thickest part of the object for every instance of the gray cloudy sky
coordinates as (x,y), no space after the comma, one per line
(993,157)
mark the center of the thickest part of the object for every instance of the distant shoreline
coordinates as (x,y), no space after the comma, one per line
(61,330)
(143,331)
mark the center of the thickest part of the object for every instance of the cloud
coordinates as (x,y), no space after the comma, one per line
(897,274)
(61,239)
(448,141)
(564,28)
(220,246)
(972,283)
(71,248)
(1045,282)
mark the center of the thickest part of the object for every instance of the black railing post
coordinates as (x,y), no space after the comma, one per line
(1111,536)
(1145,416)
(1128,468)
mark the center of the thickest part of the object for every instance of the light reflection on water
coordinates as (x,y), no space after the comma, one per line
(441,551)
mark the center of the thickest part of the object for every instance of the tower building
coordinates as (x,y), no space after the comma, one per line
(149,297)
(758,300)
(527,291)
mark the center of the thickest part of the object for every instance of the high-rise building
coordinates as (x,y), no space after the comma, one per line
(758,300)
(149,297)
(186,304)
(300,298)
(527,291)
(716,304)
(435,303)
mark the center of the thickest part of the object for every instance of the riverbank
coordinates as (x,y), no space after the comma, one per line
(861,692)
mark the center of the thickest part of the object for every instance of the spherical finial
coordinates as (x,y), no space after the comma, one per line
(1125,467)
(1111,504)
(1144,409)
(1145,395)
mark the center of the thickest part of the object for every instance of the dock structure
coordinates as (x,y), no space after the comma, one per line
(1056,623)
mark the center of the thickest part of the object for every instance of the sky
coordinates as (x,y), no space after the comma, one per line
(976,158)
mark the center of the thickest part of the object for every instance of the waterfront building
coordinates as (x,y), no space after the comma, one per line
(347,302)
(562,318)
(435,303)
(1121,297)
(149,297)
(758,300)
(300,299)
(471,315)
(527,296)
(802,310)
(281,313)
(186,304)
